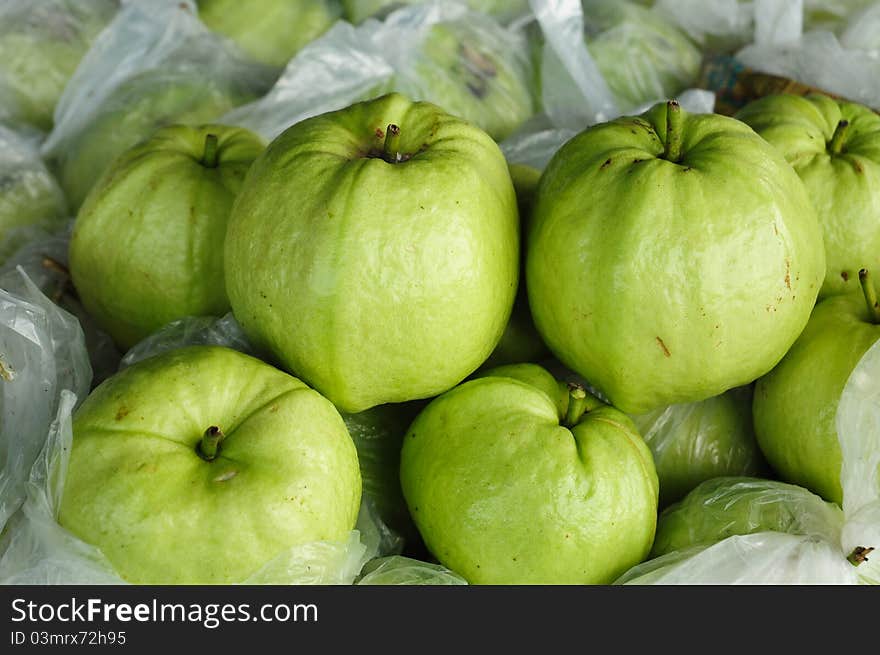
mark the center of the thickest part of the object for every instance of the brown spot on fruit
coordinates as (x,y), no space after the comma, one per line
(606,164)
(122,413)
(788,274)
(858,167)
(380,133)
(845,276)
(663,347)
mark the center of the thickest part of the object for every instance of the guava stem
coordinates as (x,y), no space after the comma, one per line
(392,144)
(209,158)
(870,296)
(836,143)
(673,132)
(859,555)
(209,446)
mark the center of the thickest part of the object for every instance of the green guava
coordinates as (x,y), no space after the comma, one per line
(740,505)
(507,489)
(643,56)
(374,250)
(147,244)
(270,31)
(202,464)
(41,44)
(834,146)
(671,257)
(132,113)
(694,442)
(795,404)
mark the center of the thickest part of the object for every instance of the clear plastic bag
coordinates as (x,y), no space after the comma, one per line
(398,570)
(31,202)
(41,43)
(154,64)
(733,531)
(463,61)
(693,442)
(42,353)
(357,11)
(862,32)
(819,59)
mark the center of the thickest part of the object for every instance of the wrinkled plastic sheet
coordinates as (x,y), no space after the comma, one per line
(354,63)
(814,543)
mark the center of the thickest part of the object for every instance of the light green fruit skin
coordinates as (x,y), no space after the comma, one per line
(699,441)
(535,376)
(520,341)
(665,283)
(131,115)
(727,506)
(475,70)
(287,471)
(642,56)
(502,494)
(270,31)
(147,244)
(844,187)
(795,404)
(376,282)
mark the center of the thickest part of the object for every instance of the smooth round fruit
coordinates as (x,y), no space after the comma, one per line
(503,491)
(834,146)
(671,257)
(147,245)
(141,488)
(380,269)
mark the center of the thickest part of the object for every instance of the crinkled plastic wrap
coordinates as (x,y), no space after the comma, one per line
(154,64)
(741,531)
(862,32)
(694,442)
(30,199)
(42,353)
(41,43)
(357,11)
(846,66)
(398,570)
(440,52)
(43,258)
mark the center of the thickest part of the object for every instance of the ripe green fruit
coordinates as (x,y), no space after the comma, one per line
(147,245)
(694,442)
(507,487)
(374,250)
(834,146)
(671,257)
(202,464)
(795,404)
(135,110)
(269,31)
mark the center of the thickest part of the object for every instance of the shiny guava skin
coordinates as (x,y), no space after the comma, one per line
(663,282)
(135,110)
(520,341)
(741,505)
(147,244)
(844,186)
(376,282)
(269,31)
(286,472)
(503,494)
(795,404)
(693,442)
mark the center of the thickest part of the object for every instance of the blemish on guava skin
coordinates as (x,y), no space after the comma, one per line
(273,409)
(663,347)
(227,475)
(845,276)
(858,167)
(606,164)
(380,133)
(788,274)
(122,413)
